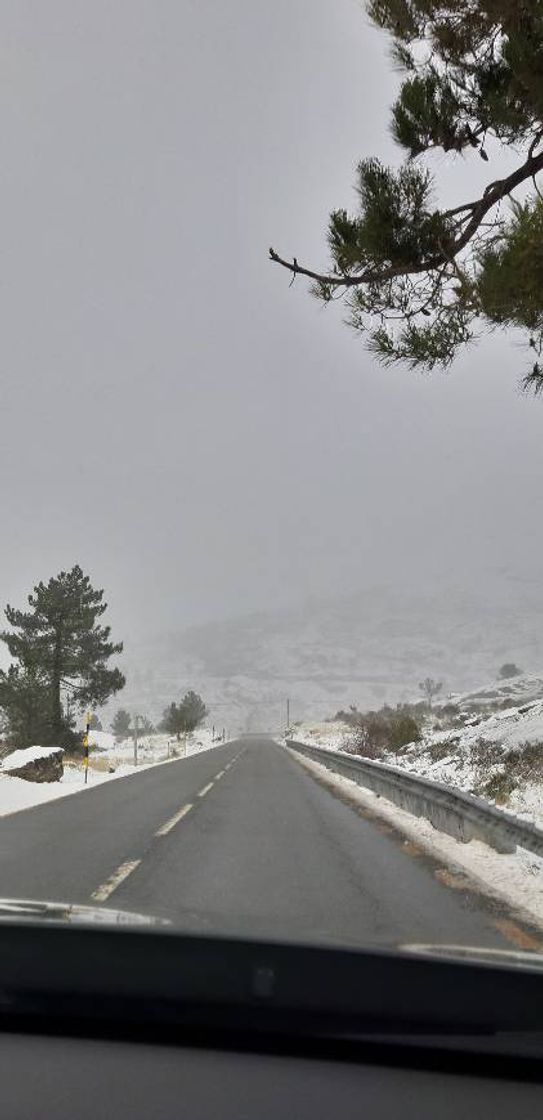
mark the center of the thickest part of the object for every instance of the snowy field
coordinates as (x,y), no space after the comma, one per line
(108,760)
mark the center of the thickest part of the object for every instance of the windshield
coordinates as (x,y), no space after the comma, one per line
(272,639)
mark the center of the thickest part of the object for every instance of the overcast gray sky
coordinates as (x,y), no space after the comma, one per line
(202,439)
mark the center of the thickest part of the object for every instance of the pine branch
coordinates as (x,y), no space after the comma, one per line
(477,210)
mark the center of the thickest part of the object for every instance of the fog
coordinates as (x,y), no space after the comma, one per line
(202,438)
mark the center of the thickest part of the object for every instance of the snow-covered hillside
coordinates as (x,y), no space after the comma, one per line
(488,742)
(366,648)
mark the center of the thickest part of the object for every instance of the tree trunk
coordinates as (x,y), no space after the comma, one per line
(56,705)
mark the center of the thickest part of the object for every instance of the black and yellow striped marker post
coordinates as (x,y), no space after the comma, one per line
(86,746)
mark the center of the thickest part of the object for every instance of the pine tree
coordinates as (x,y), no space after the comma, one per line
(59,644)
(421,281)
(192,711)
(171,721)
(121,722)
(24,701)
(184,717)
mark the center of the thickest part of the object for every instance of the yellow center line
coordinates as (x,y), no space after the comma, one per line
(167,827)
(518,937)
(115,880)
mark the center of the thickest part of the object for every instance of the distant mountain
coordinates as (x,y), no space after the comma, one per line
(364,648)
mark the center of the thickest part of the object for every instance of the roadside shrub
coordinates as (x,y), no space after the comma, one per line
(485,753)
(519,764)
(420,707)
(361,745)
(351,718)
(448,711)
(76,748)
(525,762)
(439,751)
(385,730)
(499,787)
(404,729)
(509,670)
(485,756)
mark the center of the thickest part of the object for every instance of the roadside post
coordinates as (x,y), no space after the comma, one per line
(86,746)
(136,740)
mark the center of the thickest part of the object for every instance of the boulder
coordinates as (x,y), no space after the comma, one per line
(35,764)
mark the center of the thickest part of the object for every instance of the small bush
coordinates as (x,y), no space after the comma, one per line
(484,753)
(525,761)
(499,787)
(476,708)
(519,764)
(385,730)
(360,744)
(484,756)
(439,751)
(404,729)
(509,670)
(448,711)
(76,748)
(351,718)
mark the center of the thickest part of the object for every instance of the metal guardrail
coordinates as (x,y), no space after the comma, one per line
(461,815)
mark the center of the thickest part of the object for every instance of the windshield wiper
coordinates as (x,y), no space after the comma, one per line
(29,908)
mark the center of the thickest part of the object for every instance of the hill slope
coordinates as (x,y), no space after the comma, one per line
(369,648)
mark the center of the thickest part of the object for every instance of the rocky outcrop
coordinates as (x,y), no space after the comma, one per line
(35,764)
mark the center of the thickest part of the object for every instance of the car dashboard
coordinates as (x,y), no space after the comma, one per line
(135,1023)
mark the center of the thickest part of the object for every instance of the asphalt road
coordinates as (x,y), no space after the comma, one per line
(241,839)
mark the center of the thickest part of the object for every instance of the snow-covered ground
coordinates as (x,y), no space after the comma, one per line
(27,754)
(481,747)
(486,758)
(108,760)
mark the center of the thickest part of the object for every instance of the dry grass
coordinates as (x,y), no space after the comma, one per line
(102,765)
(511,768)
(98,765)
(499,787)
(439,751)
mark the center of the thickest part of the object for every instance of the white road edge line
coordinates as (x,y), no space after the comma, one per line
(205,790)
(115,880)
(167,827)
